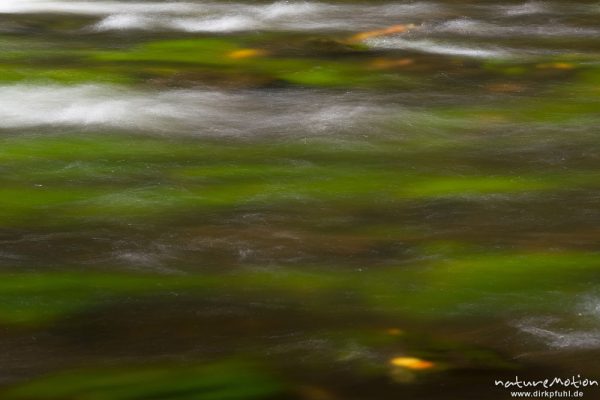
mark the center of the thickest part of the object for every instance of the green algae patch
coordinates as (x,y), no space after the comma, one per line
(194,58)
(222,380)
(474,186)
(471,284)
(63,180)
(478,284)
(67,76)
(35,298)
(208,51)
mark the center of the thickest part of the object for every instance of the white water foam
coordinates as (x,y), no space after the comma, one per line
(579,331)
(220,17)
(528,8)
(430,46)
(95,7)
(148,22)
(201,112)
(561,339)
(472,27)
(275,16)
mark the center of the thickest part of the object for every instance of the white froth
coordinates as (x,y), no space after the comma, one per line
(564,339)
(94,7)
(581,330)
(219,17)
(580,340)
(528,8)
(430,46)
(471,27)
(201,112)
(148,22)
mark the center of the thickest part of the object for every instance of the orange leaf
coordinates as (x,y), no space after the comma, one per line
(411,363)
(557,65)
(389,63)
(381,32)
(394,331)
(246,53)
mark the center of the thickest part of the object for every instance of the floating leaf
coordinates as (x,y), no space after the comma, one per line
(359,37)
(246,53)
(390,63)
(557,65)
(394,331)
(413,363)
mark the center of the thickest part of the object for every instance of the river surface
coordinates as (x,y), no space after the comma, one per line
(303,200)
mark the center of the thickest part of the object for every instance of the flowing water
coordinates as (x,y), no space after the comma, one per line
(219,200)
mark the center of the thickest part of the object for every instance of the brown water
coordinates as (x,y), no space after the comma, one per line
(297,200)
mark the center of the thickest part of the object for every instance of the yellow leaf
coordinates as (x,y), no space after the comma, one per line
(381,32)
(394,331)
(411,363)
(389,63)
(246,53)
(557,65)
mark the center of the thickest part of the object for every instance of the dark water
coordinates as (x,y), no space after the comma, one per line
(297,200)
